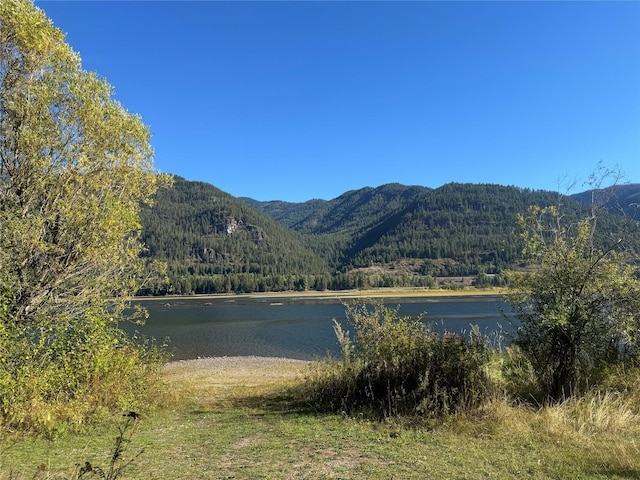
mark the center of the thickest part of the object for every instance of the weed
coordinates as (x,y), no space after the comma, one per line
(117,462)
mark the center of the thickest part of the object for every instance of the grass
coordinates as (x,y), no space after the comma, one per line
(223,421)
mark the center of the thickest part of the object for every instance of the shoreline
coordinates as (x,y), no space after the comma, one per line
(231,362)
(338,294)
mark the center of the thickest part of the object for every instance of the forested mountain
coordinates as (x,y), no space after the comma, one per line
(393,235)
(213,242)
(618,200)
(458,229)
(353,211)
(287,213)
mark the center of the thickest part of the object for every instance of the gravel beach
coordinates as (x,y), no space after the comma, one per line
(226,363)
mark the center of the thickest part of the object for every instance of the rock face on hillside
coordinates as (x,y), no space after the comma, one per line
(235,226)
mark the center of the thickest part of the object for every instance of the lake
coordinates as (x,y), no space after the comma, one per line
(299,328)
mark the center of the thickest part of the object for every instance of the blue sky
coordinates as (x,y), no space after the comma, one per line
(301,100)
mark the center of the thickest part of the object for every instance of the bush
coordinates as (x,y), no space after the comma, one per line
(397,366)
(67,376)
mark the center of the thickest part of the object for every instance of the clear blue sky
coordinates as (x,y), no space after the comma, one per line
(301,100)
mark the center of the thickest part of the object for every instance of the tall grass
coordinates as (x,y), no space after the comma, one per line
(396,366)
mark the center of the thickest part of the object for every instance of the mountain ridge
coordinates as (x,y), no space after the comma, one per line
(391,235)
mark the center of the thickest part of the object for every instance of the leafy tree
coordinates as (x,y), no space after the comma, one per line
(579,305)
(75,167)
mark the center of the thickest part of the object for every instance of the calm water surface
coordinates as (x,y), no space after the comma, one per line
(289,327)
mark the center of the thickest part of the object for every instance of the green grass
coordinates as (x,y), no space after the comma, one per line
(244,423)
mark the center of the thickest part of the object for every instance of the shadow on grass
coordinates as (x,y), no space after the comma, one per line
(617,472)
(287,401)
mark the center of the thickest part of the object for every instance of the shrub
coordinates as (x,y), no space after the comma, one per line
(64,378)
(397,366)
(516,376)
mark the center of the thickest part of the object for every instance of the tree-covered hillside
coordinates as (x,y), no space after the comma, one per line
(618,200)
(393,235)
(286,213)
(212,242)
(457,229)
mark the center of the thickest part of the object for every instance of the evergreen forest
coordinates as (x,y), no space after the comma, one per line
(390,236)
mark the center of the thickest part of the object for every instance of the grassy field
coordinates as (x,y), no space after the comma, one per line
(237,419)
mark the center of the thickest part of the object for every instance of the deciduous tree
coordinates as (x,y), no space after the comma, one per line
(74,168)
(578,305)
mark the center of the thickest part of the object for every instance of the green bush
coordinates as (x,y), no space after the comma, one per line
(397,366)
(65,376)
(513,376)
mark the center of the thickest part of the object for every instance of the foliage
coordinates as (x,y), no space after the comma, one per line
(75,167)
(579,307)
(513,374)
(397,366)
(65,376)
